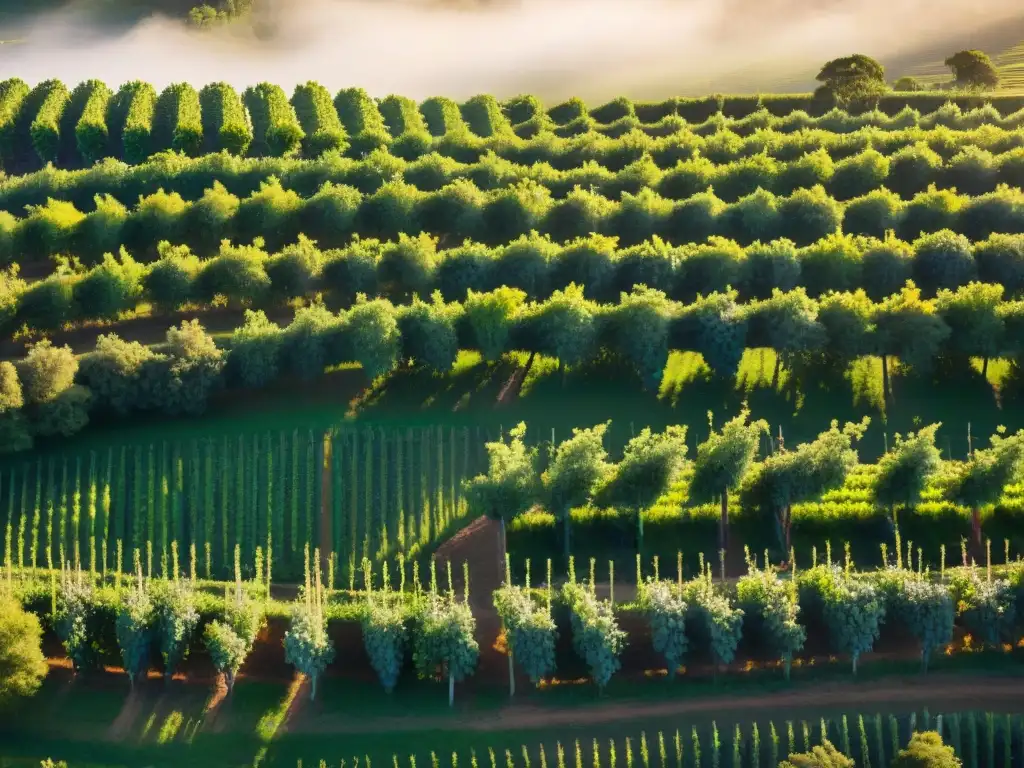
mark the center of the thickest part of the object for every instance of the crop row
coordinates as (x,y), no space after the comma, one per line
(49,123)
(383,491)
(460,211)
(908,171)
(50,393)
(252,277)
(691,622)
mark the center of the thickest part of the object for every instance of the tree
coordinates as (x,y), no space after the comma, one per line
(637,331)
(650,464)
(22,663)
(444,639)
(907,327)
(976,328)
(176,621)
(134,627)
(596,635)
(47,371)
(229,641)
(825,755)
(307,646)
(764,595)
(529,632)
(723,461)
(579,466)
(789,477)
(564,326)
(75,605)
(853,612)
(788,324)
(666,612)
(14,435)
(904,471)
(928,611)
(511,485)
(853,78)
(723,621)
(926,750)
(490,318)
(374,341)
(385,637)
(981,479)
(428,333)
(908,85)
(974,70)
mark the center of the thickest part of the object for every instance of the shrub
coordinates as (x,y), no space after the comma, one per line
(276,129)
(942,260)
(113,287)
(237,273)
(255,351)
(22,664)
(136,101)
(873,214)
(226,127)
(371,330)
(318,120)
(178,123)
(385,637)
(926,750)
(44,130)
(596,636)
(13,92)
(428,333)
(92,134)
(169,283)
(114,372)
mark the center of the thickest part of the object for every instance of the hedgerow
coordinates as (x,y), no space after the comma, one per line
(134,112)
(276,129)
(225,123)
(50,98)
(178,121)
(92,134)
(319,120)
(12,93)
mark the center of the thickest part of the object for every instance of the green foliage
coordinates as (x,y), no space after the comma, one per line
(723,459)
(666,612)
(444,639)
(982,479)
(178,123)
(928,611)
(136,101)
(74,609)
(904,470)
(824,755)
(13,92)
(926,750)
(762,594)
(318,120)
(491,317)
(225,125)
(307,646)
(52,97)
(564,325)
(255,350)
(853,612)
(511,484)
(22,663)
(973,69)
(385,636)
(853,78)
(92,133)
(650,463)
(429,334)
(114,372)
(276,129)
(111,288)
(596,635)
(135,627)
(529,631)
(637,330)
(176,622)
(987,607)
(374,341)
(229,641)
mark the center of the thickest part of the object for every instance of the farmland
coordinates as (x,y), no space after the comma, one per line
(593,406)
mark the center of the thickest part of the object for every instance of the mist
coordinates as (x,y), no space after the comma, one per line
(596,49)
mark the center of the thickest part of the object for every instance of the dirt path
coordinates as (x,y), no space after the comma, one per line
(937,692)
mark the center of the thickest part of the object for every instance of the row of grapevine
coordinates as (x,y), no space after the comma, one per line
(370,494)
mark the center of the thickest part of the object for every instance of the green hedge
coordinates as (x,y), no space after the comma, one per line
(92,133)
(401,115)
(276,129)
(178,122)
(442,116)
(225,125)
(13,92)
(318,119)
(137,103)
(44,129)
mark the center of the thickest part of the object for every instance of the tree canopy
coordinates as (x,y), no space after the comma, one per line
(973,69)
(926,750)
(852,78)
(22,664)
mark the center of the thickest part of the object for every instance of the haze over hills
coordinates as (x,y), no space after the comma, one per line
(596,49)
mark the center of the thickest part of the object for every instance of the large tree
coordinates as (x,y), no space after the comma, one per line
(853,78)
(580,465)
(511,485)
(973,69)
(982,478)
(650,464)
(723,461)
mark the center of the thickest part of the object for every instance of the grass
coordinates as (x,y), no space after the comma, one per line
(272,722)
(800,406)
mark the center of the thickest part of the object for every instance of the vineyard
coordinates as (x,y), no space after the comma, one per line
(569,405)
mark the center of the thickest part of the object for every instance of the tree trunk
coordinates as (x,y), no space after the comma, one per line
(451,689)
(312,688)
(504,546)
(566,536)
(886,386)
(231,681)
(511,671)
(723,525)
(976,525)
(984,367)
(640,532)
(775,373)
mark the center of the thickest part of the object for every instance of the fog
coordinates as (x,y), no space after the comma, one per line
(597,49)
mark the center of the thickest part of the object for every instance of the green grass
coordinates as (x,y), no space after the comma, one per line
(273,723)
(801,405)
